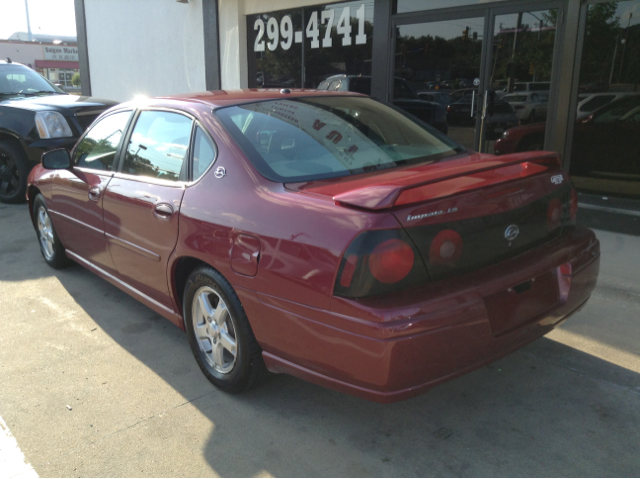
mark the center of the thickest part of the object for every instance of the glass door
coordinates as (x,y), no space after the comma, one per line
(519,81)
(483,74)
(437,74)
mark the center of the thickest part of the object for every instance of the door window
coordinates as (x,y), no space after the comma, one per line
(97,150)
(203,154)
(158,146)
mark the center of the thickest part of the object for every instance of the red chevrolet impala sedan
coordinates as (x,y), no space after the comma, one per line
(320,234)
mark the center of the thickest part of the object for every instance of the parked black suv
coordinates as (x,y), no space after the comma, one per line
(404,97)
(36,116)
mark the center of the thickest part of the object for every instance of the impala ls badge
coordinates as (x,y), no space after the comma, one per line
(557,179)
(220,172)
(511,232)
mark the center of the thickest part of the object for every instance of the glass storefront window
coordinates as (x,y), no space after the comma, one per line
(521,70)
(405,6)
(605,152)
(437,63)
(303,47)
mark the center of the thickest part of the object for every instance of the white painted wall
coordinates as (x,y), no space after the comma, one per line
(233,34)
(144,47)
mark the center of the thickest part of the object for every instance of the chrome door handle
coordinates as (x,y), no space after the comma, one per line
(94,193)
(163,211)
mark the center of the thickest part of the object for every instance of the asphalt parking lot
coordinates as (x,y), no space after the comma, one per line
(92,383)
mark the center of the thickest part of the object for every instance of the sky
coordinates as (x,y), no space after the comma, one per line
(52,17)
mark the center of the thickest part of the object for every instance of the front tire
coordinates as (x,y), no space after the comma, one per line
(14,169)
(50,245)
(219,333)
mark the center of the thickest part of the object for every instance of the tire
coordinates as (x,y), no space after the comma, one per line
(50,245)
(14,169)
(219,333)
(531,144)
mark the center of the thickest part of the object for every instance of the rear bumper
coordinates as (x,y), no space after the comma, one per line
(391,348)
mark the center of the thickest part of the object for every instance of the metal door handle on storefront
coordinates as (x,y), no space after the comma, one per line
(473,102)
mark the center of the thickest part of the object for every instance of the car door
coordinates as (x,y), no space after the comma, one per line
(142,200)
(77,193)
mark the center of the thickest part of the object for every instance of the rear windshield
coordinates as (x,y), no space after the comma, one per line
(306,139)
(502,107)
(511,98)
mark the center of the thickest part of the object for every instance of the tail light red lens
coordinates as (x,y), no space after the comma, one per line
(519,107)
(446,248)
(379,262)
(391,261)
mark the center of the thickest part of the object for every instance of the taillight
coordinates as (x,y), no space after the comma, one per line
(519,107)
(379,262)
(446,248)
(391,261)
(449,109)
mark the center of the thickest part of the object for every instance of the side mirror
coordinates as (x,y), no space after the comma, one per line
(56,159)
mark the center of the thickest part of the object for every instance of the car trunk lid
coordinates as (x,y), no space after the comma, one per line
(466,212)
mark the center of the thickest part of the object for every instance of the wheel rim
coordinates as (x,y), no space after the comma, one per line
(214,330)
(9,176)
(45,232)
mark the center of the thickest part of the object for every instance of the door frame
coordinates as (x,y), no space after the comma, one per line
(488,11)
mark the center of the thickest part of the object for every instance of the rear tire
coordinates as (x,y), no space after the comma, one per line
(50,245)
(14,169)
(531,144)
(219,333)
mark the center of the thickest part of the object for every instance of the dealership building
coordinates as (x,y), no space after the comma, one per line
(569,69)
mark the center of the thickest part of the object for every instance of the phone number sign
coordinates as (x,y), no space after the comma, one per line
(273,34)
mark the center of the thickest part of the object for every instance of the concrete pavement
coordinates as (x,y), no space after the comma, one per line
(92,383)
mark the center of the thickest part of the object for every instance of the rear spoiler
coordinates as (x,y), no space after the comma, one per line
(448,181)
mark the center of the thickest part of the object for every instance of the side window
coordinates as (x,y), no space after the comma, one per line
(402,90)
(203,154)
(158,145)
(97,150)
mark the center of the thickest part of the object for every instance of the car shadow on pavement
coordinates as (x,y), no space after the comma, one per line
(546,410)
(19,252)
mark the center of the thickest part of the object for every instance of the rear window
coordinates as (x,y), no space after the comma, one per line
(597,102)
(361,85)
(502,107)
(539,86)
(306,139)
(513,98)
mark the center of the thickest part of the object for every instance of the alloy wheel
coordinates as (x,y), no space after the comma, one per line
(214,330)
(45,233)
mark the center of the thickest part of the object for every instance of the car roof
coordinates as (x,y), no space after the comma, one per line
(223,98)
